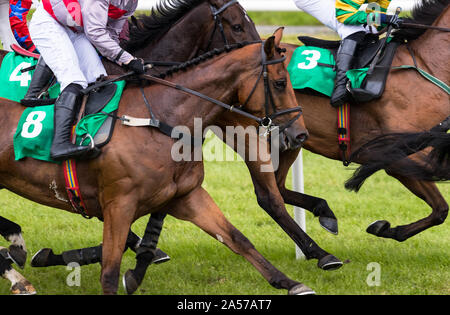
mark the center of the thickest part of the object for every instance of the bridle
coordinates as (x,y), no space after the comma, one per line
(266,122)
(218,25)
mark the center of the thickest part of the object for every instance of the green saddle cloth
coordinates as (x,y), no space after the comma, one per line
(34,134)
(313,67)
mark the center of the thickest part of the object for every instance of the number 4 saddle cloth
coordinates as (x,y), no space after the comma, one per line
(34,134)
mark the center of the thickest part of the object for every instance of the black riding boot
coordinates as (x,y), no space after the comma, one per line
(65,110)
(344,60)
(41,77)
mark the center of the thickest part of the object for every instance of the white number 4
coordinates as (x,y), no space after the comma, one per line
(17,76)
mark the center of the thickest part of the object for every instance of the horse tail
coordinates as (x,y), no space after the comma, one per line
(390,152)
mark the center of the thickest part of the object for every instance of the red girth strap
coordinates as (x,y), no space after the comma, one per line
(72,187)
(344,132)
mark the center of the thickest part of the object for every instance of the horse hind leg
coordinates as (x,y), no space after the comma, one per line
(428,192)
(12,232)
(19,285)
(199,208)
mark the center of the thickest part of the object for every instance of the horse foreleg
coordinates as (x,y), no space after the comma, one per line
(118,216)
(145,253)
(12,232)
(19,285)
(199,208)
(270,199)
(84,256)
(428,192)
(318,206)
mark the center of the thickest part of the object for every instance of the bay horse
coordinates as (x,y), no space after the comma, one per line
(166,24)
(402,109)
(133,178)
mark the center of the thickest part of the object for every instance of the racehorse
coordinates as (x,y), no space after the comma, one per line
(133,178)
(236,25)
(402,109)
(398,111)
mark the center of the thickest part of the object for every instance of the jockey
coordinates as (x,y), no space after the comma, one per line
(68,34)
(6,35)
(346,18)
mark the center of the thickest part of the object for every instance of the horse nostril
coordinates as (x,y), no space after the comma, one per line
(301,137)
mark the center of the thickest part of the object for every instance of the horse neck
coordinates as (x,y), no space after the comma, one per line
(219,78)
(184,40)
(431,49)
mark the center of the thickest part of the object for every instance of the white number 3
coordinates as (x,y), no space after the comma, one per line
(17,76)
(33,125)
(312,60)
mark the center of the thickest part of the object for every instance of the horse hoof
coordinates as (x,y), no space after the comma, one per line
(329,224)
(23,288)
(378,227)
(18,255)
(129,282)
(329,262)
(301,289)
(40,259)
(160,257)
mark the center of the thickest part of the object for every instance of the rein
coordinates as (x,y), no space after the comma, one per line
(423,26)
(265,122)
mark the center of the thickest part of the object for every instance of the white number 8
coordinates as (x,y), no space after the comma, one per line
(33,122)
(312,60)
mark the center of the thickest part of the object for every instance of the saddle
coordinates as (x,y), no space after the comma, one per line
(97,99)
(374,83)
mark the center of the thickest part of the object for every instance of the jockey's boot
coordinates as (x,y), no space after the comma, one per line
(344,60)
(41,77)
(66,107)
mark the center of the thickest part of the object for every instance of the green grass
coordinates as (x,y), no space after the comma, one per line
(201,265)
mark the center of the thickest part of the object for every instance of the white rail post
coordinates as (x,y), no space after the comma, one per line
(298,185)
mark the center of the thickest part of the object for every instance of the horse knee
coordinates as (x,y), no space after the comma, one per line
(440,216)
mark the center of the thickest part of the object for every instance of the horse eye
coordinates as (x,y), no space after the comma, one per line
(237,28)
(280,84)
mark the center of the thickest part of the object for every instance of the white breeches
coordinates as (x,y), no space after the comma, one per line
(6,35)
(325,12)
(70,55)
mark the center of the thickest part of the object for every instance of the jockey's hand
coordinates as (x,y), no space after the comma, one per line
(136,65)
(393,20)
(396,21)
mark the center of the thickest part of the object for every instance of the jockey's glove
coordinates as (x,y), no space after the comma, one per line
(136,65)
(380,19)
(393,20)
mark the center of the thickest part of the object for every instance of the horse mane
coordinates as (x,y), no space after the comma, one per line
(425,12)
(160,20)
(205,57)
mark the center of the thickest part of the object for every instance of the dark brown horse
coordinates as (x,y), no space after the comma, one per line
(130,180)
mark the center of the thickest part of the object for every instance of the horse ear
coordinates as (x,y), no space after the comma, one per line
(269,47)
(278,36)
(134,21)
